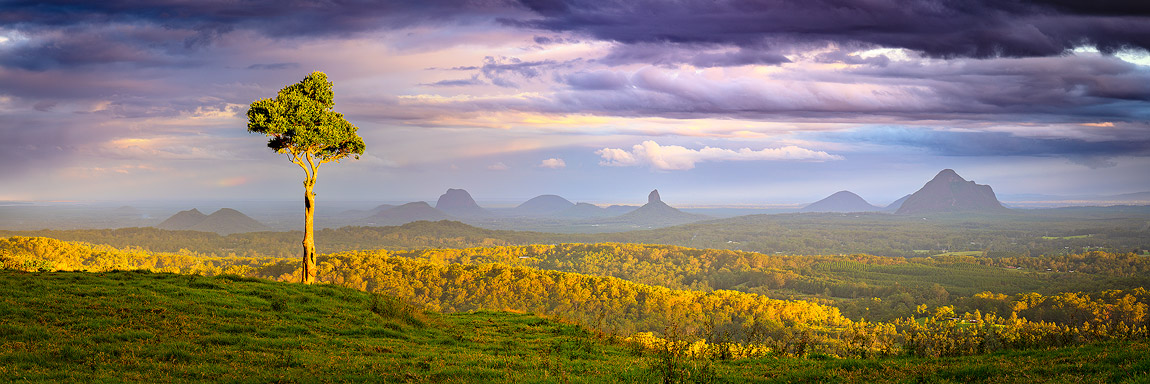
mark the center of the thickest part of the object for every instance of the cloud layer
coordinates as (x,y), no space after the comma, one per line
(677,158)
(151,91)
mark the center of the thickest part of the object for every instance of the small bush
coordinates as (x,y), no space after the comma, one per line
(393,308)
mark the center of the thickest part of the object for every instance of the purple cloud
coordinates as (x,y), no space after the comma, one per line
(987,28)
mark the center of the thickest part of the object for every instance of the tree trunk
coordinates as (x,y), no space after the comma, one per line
(309,267)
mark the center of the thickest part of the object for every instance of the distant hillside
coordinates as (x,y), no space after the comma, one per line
(583,211)
(893,207)
(458,203)
(403,214)
(543,205)
(841,201)
(182,220)
(615,210)
(225,221)
(656,213)
(949,192)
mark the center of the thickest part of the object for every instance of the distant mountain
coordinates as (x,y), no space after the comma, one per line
(583,211)
(225,221)
(458,202)
(616,210)
(657,213)
(1137,196)
(949,192)
(183,220)
(406,213)
(358,213)
(841,201)
(543,205)
(893,207)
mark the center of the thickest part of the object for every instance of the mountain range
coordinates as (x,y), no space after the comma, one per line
(946,192)
(224,221)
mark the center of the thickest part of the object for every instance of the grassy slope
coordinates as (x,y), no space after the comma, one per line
(136,326)
(80,327)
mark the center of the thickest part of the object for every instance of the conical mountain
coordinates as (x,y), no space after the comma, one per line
(403,214)
(841,201)
(458,202)
(949,192)
(182,220)
(658,213)
(543,205)
(227,221)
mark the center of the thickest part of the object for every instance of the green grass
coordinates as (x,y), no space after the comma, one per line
(156,327)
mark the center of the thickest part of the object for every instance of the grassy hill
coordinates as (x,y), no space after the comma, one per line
(159,327)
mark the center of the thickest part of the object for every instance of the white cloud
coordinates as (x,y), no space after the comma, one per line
(498,167)
(677,158)
(553,163)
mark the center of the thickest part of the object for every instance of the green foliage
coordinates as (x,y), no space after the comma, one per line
(300,120)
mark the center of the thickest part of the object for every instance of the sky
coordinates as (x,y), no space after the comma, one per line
(727,102)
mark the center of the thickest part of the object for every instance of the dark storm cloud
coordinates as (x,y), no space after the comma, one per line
(71,34)
(269,17)
(697,55)
(504,71)
(1081,88)
(938,28)
(1094,154)
(78,47)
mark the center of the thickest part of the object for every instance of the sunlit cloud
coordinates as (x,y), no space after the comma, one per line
(678,158)
(553,163)
(498,167)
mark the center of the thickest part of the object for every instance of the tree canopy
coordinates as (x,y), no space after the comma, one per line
(300,121)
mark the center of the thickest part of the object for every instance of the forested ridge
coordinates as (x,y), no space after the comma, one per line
(648,289)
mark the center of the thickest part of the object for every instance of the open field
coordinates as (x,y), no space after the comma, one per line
(149,327)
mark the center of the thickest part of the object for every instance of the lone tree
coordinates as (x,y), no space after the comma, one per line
(300,122)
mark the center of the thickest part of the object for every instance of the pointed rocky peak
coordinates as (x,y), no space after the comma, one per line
(948,175)
(949,192)
(653,197)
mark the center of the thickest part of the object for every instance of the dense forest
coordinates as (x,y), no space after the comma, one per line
(729,298)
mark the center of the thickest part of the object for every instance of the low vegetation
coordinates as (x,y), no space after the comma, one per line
(162,327)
